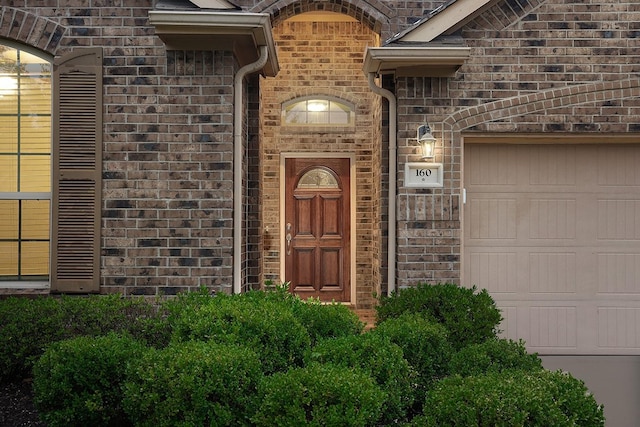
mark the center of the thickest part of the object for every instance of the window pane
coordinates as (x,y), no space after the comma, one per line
(8,220)
(8,260)
(35,219)
(35,134)
(317,105)
(35,260)
(35,173)
(8,95)
(317,117)
(8,173)
(295,117)
(35,92)
(9,135)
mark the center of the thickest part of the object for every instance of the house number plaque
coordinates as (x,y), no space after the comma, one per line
(423,175)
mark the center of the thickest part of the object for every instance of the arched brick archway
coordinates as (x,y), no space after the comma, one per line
(532,105)
(543,101)
(374,14)
(30,29)
(321,59)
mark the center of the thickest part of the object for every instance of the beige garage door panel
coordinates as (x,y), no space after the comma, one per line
(553,232)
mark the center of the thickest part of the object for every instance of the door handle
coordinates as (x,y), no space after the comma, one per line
(288,238)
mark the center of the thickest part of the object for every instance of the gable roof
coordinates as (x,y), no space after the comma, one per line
(195,4)
(428,48)
(444,20)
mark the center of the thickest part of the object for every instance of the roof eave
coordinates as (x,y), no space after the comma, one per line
(242,33)
(415,61)
(445,20)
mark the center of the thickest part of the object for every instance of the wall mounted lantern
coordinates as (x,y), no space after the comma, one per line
(426,141)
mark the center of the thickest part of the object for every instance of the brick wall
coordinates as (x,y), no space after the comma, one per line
(168,173)
(167,144)
(546,67)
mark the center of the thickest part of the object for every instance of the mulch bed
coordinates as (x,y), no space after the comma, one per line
(16,406)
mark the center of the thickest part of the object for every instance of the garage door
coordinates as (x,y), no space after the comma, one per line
(553,233)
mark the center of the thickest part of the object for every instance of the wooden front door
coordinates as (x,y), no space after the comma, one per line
(317,228)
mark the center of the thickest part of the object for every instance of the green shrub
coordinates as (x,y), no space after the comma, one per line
(28,326)
(511,398)
(265,326)
(185,302)
(381,359)
(471,317)
(153,329)
(78,382)
(320,320)
(327,320)
(494,355)
(193,384)
(98,314)
(319,395)
(424,345)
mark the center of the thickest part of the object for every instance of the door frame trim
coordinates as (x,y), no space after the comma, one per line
(352,209)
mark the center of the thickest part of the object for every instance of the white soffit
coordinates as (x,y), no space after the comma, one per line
(427,49)
(444,20)
(213,4)
(242,33)
(415,61)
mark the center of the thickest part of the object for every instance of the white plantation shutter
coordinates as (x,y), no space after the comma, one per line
(77,169)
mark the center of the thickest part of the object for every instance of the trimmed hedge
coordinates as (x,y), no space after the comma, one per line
(78,382)
(382,360)
(269,358)
(327,320)
(193,384)
(425,346)
(319,395)
(494,355)
(470,317)
(28,326)
(511,398)
(273,332)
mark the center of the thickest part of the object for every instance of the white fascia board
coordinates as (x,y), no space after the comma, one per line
(209,22)
(436,61)
(452,17)
(213,4)
(218,29)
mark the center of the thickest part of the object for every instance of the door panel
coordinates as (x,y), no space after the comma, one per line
(317,228)
(330,278)
(331,211)
(304,258)
(303,218)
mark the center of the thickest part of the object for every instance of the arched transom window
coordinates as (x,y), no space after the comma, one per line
(25,165)
(317,110)
(318,178)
